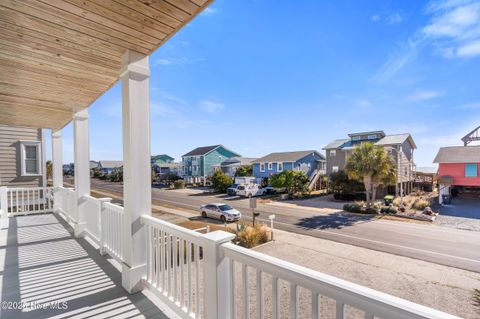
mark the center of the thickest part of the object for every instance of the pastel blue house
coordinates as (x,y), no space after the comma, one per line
(310,162)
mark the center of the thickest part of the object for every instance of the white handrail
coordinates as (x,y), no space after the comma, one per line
(373,302)
(172,229)
(111,230)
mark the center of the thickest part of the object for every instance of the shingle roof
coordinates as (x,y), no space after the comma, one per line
(458,154)
(110,164)
(286,156)
(395,139)
(238,160)
(336,144)
(201,150)
(386,140)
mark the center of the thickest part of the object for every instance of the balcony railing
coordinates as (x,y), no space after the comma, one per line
(206,276)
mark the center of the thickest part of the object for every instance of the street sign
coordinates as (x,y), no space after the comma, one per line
(253,202)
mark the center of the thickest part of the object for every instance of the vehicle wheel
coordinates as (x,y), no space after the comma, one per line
(204,215)
(223,219)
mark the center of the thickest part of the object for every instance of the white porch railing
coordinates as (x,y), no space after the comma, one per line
(174,271)
(66,203)
(111,234)
(206,276)
(25,200)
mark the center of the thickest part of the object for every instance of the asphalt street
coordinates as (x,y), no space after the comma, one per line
(442,245)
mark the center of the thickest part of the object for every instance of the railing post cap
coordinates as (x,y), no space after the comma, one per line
(219,236)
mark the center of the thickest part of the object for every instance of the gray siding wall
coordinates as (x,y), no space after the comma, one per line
(10,158)
(338,160)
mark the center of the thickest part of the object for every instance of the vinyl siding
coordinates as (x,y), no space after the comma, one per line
(214,157)
(338,160)
(10,158)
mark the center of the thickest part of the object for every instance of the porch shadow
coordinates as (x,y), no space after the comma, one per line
(56,275)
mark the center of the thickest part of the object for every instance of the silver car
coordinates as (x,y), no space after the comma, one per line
(224,212)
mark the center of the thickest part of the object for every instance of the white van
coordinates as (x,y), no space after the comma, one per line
(249,190)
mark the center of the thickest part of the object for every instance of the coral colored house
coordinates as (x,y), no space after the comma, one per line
(459,167)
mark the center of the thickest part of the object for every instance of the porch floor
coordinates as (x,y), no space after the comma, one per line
(43,267)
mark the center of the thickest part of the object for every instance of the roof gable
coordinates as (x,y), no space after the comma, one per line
(204,150)
(287,156)
(458,154)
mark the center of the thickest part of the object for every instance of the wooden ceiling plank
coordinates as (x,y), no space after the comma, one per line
(29,79)
(162,17)
(72,24)
(61,60)
(199,2)
(69,44)
(14,99)
(185,5)
(106,13)
(4,104)
(37,65)
(134,15)
(35,92)
(167,8)
(58,50)
(86,10)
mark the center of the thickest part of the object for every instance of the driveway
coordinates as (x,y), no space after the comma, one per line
(462,213)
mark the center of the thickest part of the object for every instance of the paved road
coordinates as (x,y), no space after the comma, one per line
(442,245)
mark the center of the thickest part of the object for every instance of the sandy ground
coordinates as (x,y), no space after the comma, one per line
(444,288)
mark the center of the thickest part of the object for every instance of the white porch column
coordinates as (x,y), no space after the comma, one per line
(135,73)
(57,159)
(82,165)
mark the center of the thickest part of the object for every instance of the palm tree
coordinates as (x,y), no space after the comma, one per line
(371,165)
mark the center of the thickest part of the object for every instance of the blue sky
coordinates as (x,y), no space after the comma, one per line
(276,75)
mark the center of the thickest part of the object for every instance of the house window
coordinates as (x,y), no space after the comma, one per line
(356,138)
(262,167)
(471,170)
(372,137)
(279,167)
(333,152)
(270,166)
(334,169)
(30,156)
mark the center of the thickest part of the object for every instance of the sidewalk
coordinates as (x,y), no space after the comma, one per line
(440,287)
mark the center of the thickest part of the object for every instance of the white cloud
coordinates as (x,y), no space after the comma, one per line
(396,61)
(469,50)
(454,28)
(175,61)
(470,106)
(375,18)
(209,11)
(394,18)
(364,103)
(424,95)
(210,106)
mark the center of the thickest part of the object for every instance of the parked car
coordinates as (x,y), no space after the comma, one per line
(232,190)
(224,212)
(250,190)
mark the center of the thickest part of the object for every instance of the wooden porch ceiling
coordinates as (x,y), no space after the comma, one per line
(57,56)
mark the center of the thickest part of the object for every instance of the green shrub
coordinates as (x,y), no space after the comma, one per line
(370,210)
(388,199)
(221,182)
(389,210)
(420,204)
(179,184)
(353,208)
(250,236)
